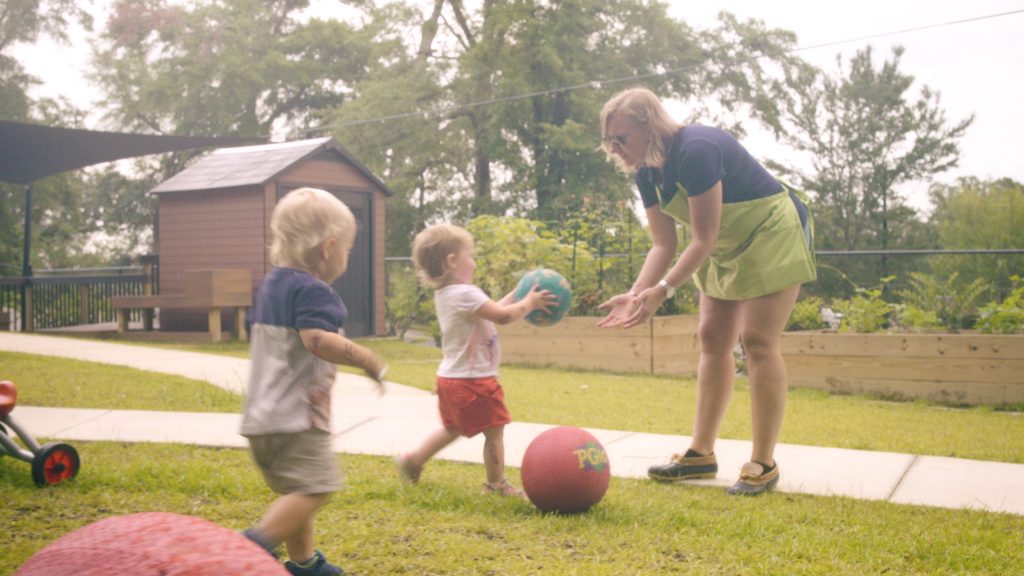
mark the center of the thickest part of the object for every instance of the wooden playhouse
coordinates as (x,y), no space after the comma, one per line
(215,215)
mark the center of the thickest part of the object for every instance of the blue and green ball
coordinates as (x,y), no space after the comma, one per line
(553,282)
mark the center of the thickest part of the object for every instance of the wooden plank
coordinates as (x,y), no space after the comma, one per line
(585,362)
(1005,371)
(326,173)
(214,325)
(577,343)
(674,325)
(575,327)
(628,350)
(953,392)
(971,345)
(675,345)
(676,365)
(203,289)
(145,301)
(173,302)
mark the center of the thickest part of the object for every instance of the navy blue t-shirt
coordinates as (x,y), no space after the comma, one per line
(296,299)
(289,387)
(701,156)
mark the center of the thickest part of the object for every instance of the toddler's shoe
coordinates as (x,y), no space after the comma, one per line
(755,478)
(689,466)
(315,566)
(503,488)
(406,471)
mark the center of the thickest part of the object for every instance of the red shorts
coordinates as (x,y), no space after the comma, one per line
(471,405)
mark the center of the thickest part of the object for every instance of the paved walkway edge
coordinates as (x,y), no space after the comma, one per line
(366,423)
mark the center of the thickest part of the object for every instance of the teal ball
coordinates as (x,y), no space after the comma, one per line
(553,282)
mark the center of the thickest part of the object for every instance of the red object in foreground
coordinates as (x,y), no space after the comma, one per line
(565,470)
(152,544)
(51,464)
(54,464)
(8,397)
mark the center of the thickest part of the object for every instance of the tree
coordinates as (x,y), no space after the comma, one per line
(239,67)
(24,22)
(501,104)
(55,219)
(864,136)
(976,214)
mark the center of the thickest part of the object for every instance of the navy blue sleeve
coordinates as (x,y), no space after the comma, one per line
(318,306)
(701,165)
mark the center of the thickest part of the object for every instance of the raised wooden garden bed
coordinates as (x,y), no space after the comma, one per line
(967,368)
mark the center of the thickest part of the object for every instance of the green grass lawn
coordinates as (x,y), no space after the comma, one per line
(443,526)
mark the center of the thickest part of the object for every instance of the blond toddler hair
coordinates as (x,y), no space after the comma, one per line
(431,248)
(302,221)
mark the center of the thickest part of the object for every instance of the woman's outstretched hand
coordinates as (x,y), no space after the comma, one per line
(628,310)
(621,307)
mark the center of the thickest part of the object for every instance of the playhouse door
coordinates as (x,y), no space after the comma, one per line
(356,285)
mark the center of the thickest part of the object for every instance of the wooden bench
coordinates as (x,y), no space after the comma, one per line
(213,290)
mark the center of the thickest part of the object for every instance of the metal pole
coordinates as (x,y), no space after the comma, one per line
(629,243)
(26,262)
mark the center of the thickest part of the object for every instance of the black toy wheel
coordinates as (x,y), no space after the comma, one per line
(54,464)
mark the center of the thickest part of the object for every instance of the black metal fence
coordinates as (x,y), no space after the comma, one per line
(62,298)
(840,272)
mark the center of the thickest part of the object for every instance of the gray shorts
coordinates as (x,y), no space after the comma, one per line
(302,462)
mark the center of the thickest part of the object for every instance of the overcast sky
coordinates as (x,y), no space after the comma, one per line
(977,66)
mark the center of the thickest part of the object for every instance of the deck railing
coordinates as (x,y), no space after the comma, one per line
(61,298)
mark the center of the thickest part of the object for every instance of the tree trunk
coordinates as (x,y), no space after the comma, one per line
(481,162)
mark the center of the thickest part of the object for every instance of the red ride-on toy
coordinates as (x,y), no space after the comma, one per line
(51,464)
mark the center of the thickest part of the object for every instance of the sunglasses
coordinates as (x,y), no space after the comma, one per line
(612,140)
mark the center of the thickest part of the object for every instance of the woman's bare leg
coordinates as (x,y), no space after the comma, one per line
(763,321)
(716,368)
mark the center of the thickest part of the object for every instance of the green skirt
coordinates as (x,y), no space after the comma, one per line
(763,246)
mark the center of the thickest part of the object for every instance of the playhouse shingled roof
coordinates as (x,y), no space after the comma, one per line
(255,165)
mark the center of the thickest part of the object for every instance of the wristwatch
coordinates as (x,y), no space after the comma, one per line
(670,290)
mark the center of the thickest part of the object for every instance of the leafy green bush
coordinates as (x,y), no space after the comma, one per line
(1006,317)
(865,312)
(806,314)
(506,248)
(409,304)
(912,318)
(952,300)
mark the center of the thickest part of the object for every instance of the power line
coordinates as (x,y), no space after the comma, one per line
(907,30)
(597,84)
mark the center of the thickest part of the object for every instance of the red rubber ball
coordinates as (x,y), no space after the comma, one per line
(565,470)
(152,544)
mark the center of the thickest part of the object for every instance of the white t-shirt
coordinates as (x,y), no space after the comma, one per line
(470,343)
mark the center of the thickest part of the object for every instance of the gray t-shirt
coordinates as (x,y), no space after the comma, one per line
(289,387)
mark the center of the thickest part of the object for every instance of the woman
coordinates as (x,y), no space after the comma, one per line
(752,248)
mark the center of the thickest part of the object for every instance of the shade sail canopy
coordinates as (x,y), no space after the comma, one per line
(29,152)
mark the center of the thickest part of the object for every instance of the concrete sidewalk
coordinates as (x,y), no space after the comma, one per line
(365,423)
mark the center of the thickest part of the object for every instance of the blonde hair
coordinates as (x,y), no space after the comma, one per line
(431,248)
(642,107)
(303,220)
